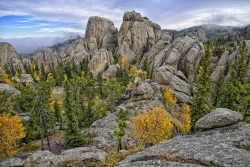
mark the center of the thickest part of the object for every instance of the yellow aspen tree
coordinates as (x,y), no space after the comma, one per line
(17,74)
(187,117)
(153,126)
(35,76)
(138,58)
(125,62)
(132,71)
(169,96)
(130,85)
(11,131)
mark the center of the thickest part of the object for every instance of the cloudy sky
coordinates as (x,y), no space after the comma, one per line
(54,18)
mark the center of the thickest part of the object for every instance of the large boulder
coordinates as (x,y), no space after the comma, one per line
(218,118)
(142,91)
(110,72)
(100,33)
(12,162)
(104,128)
(167,77)
(184,54)
(26,78)
(243,34)
(46,58)
(100,61)
(40,159)
(137,32)
(9,88)
(9,56)
(225,146)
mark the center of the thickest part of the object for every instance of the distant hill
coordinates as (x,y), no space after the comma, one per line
(205,31)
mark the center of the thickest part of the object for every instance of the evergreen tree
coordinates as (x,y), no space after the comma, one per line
(201,101)
(218,90)
(237,86)
(100,83)
(73,135)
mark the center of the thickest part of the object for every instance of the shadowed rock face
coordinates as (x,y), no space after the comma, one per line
(9,56)
(47,58)
(226,146)
(100,33)
(184,54)
(136,31)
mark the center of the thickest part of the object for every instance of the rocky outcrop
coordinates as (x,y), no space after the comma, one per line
(100,34)
(167,77)
(136,32)
(224,146)
(100,61)
(218,118)
(9,88)
(46,58)
(160,45)
(76,54)
(82,155)
(198,33)
(142,91)
(184,54)
(9,56)
(243,34)
(12,162)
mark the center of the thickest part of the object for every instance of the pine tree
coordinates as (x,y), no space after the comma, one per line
(100,83)
(218,90)
(73,136)
(237,86)
(201,101)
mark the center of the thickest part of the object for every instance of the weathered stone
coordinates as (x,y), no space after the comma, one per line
(218,118)
(41,158)
(15,79)
(12,162)
(103,129)
(110,72)
(142,92)
(47,58)
(167,76)
(26,78)
(84,155)
(100,61)
(159,163)
(101,33)
(183,54)
(226,146)
(9,88)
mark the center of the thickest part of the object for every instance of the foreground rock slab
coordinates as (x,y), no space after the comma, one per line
(13,162)
(80,155)
(225,146)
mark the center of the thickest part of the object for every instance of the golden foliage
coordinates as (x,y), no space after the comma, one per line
(6,79)
(187,116)
(125,62)
(169,96)
(82,73)
(11,131)
(65,76)
(153,126)
(132,71)
(130,85)
(35,76)
(52,105)
(50,77)
(17,74)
